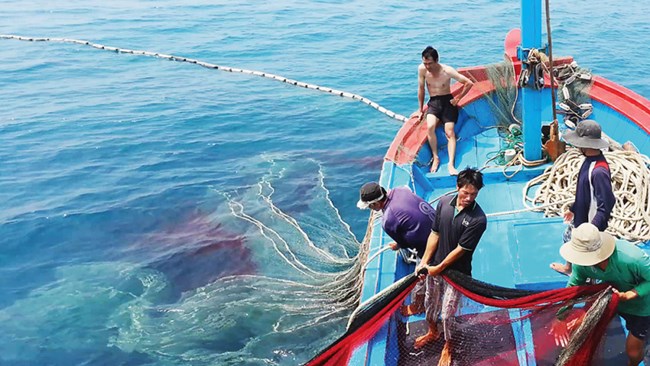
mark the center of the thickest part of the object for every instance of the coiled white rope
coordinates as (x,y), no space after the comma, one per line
(630,219)
(267,75)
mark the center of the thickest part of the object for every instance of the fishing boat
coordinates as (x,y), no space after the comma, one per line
(521,240)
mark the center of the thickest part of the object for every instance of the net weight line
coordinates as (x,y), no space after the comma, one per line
(207,65)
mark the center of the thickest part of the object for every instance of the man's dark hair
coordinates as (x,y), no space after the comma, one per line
(430,52)
(470,176)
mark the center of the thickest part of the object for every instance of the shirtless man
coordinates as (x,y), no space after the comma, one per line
(442,106)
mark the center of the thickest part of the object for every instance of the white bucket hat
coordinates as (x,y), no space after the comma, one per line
(588,246)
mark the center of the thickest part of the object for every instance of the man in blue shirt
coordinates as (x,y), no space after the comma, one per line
(594,199)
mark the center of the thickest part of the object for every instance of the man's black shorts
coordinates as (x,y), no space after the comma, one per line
(637,325)
(441,107)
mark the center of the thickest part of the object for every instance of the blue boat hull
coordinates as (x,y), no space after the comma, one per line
(516,249)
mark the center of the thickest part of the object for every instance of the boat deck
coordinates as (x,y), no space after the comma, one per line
(500,353)
(515,251)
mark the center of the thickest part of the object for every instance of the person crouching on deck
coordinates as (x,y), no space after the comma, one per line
(407,219)
(625,267)
(460,222)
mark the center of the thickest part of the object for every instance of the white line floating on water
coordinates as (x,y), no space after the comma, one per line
(207,65)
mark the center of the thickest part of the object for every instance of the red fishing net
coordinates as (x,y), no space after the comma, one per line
(482,324)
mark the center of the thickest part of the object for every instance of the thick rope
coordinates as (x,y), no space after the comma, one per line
(207,65)
(630,218)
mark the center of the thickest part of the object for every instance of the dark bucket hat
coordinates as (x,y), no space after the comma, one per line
(587,134)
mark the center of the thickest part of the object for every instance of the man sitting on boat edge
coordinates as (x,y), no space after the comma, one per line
(442,106)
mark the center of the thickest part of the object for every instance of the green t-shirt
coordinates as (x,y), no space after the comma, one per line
(628,268)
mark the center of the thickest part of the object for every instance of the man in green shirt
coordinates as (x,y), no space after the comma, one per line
(625,267)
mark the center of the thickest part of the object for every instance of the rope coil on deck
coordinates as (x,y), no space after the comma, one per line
(630,219)
(207,65)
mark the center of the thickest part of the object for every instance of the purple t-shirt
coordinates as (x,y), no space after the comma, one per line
(408,219)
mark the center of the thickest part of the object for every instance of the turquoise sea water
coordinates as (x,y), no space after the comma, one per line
(160,213)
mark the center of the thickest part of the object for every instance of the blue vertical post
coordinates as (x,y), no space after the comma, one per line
(531,37)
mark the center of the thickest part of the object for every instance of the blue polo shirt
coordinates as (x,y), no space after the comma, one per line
(463,229)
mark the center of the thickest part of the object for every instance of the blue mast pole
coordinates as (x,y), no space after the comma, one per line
(531,37)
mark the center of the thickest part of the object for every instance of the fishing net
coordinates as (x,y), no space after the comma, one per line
(498,85)
(504,97)
(487,325)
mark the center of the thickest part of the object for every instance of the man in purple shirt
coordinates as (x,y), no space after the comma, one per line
(594,197)
(407,219)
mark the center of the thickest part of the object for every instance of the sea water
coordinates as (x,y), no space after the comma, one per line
(160,213)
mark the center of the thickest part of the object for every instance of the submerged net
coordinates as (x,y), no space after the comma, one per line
(485,325)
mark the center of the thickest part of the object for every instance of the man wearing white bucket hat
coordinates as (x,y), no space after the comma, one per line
(408,220)
(625,267)
(594,198)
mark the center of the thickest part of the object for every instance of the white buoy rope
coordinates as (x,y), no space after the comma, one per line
(630,219)
(208,65)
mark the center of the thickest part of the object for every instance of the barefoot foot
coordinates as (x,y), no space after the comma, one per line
(408,310)
(452,170)
(434,164)
(425,339)
(445,356)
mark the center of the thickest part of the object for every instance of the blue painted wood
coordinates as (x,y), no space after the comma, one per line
(619,128)
(523,338)
(535,246)
(515,250)
(531,37)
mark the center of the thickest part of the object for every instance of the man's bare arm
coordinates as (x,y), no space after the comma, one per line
(432,245)
(467,84)
(450,259)
(421,82)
